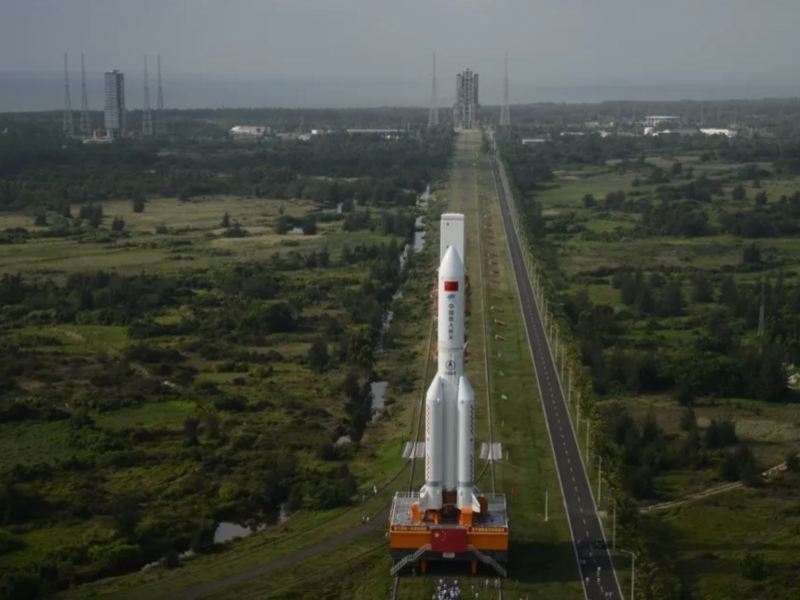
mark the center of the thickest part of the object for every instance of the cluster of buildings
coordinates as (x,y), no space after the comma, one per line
(116,123)
(466,110)
(655,125)
(465,115)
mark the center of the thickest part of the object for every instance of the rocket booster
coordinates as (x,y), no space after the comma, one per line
(450,400)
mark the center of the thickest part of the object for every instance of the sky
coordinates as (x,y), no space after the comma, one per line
(379,51)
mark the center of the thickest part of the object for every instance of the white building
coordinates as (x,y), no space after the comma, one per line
(114,116)
(658,120)
(247,132)
(728,133)
(385,133)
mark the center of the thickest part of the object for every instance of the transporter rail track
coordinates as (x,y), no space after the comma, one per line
(489,465)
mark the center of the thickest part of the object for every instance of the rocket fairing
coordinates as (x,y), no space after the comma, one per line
(450,400)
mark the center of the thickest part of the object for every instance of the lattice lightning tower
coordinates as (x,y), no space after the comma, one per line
(505,113)
(159,101)
(85,124)
(66,124)
(147,117)
(433,113)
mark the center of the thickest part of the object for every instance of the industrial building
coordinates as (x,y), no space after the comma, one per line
(114,115)
(244,133)
(382,132)
(465,111)
(661,120)
(727,132)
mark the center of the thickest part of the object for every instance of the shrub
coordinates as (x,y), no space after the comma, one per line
(793,462)
(754,566)
(9,542)
(751,254)
(740,465)
(721,433)
(318,355)
(688,419)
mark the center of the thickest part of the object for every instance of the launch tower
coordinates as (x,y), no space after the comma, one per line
(448,519)
(465,111)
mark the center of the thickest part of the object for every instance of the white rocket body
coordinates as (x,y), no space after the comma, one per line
(450,401)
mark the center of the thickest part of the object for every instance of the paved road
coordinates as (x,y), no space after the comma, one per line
(595,566)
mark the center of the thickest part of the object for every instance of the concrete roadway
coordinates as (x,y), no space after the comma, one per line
(594,563)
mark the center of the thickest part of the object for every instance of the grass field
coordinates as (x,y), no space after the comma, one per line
(703,543)
(707,541)
(282,404)
(772,431)
(580,256)
(377,462)
(193,238)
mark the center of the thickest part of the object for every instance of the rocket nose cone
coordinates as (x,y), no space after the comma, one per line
(451,264)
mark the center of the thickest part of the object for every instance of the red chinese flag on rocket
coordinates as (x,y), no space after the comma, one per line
(450,286)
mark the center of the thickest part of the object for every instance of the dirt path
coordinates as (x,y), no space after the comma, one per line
(375,527)
(712,491)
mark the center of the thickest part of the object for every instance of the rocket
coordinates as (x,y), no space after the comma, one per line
(450,400)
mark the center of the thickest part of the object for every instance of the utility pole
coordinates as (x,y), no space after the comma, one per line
(86,125)
(599,480)
(633,571)
(569,387)
(761,314)
(159,100)
(147,117)
(505,114)
(614,527)
(546,516)
(433,112)
(587,441)
(556,328)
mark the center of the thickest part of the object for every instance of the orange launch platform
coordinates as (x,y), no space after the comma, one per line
(415,542)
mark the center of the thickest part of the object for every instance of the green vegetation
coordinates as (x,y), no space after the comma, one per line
(174,359)
(660,253)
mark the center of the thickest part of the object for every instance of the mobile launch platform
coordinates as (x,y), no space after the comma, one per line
(418,543)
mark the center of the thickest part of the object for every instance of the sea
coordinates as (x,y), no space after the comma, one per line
(29,91)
